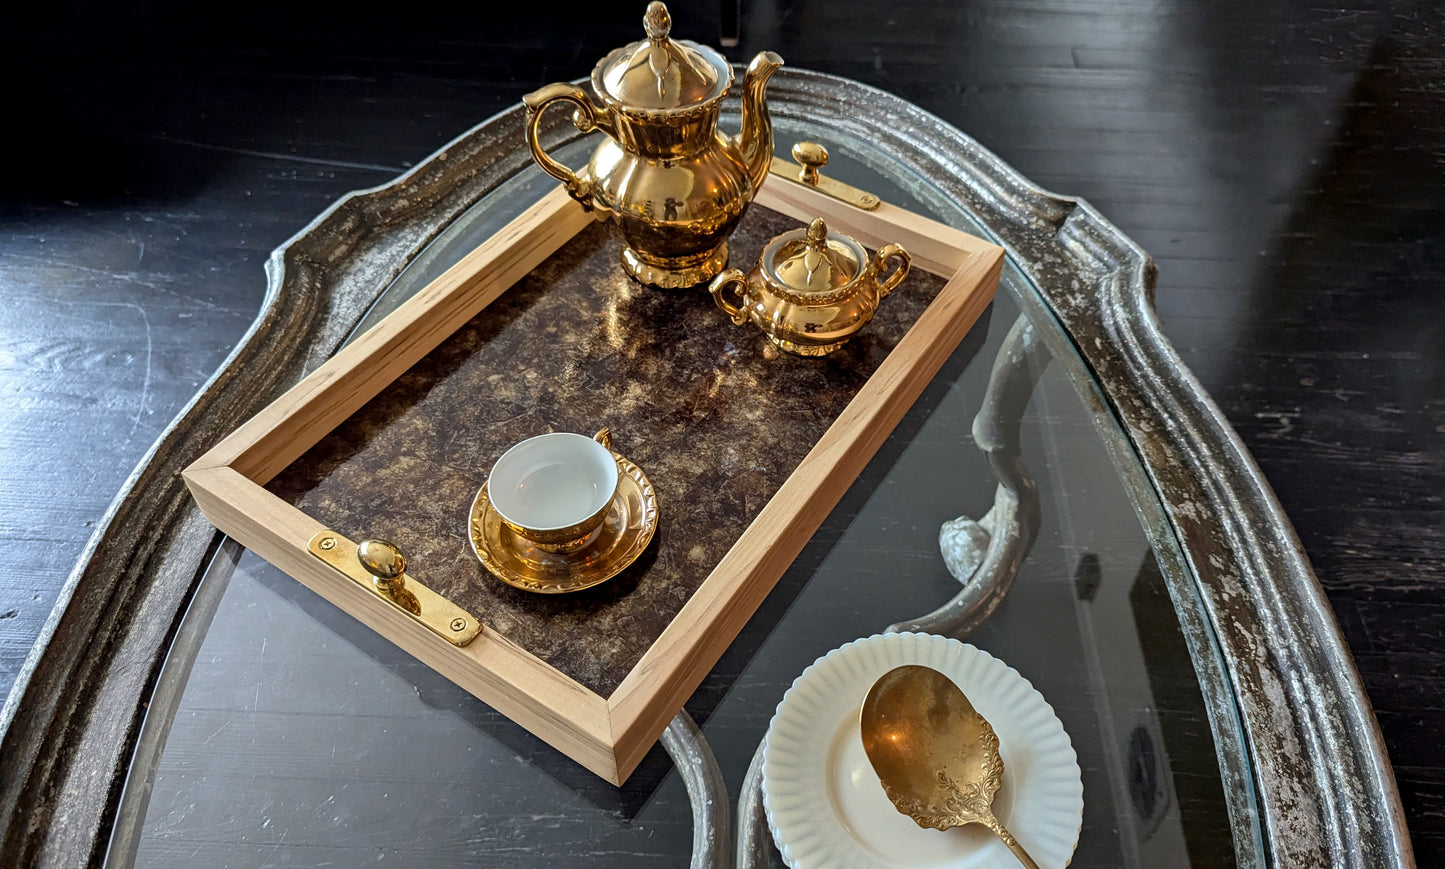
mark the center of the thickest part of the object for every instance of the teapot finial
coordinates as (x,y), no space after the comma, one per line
(657,21)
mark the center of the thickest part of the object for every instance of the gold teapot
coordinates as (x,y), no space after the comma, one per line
(811,292)
(664,175)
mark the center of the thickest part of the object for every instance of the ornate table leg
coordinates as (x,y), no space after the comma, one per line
(985,555)
(706,790)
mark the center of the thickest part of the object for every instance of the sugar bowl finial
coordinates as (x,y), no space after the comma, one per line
(657,22)
(817,233)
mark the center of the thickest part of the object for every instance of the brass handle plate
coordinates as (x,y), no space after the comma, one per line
(441,616)
(810,157)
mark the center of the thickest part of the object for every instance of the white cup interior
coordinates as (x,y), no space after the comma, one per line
(552,481)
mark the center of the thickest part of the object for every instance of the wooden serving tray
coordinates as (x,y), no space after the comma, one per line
(536,330)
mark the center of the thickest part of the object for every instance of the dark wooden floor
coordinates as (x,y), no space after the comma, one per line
(1284,163)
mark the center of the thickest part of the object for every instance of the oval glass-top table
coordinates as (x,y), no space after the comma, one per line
(298,736)
(1062,496)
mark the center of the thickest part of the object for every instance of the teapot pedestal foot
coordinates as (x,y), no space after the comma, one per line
(805,349)
(688,273)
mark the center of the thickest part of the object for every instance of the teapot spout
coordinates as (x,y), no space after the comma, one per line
(756,137)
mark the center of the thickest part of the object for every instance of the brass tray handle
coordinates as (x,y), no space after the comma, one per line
(812,156)
(719,285)
(380,566)
(586,116)
(905,262)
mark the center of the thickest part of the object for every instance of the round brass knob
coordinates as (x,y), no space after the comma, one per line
(812,156)
(384,562)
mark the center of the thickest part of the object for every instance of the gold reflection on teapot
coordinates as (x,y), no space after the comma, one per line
(664,175)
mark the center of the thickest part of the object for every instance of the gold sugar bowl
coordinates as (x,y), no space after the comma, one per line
(663,174)
(811,291)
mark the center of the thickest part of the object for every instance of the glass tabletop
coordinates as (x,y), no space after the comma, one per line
(284,732)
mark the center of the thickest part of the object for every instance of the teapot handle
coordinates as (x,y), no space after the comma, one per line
(587,117)
(720,284)
(905,262)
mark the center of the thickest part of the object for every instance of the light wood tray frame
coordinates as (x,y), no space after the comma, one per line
(607,735)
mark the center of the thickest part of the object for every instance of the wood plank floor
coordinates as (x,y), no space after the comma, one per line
(1283,162)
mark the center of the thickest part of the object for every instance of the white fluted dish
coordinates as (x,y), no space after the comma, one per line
(826,807)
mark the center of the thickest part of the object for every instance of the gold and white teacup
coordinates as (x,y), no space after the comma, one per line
(555,489)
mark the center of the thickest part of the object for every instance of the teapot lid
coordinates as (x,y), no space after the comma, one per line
(661,73)
(808,261)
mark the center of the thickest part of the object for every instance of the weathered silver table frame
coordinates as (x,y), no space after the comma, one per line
(1323,790)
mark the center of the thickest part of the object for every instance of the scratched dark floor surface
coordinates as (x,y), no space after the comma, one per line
(1285,165)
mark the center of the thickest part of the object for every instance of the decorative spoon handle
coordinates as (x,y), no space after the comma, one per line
(1013,844)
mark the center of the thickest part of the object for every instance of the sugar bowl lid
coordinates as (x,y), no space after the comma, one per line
(809,261)
(659,73)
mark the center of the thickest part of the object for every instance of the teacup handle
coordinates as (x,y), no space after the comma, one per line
(587,117)
(604,437)
(719,286)
(905,262)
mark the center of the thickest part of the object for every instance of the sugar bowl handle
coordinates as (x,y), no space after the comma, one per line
(905,262)
(586,116)
(719,287)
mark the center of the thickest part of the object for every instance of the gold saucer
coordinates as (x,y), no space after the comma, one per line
(625,532)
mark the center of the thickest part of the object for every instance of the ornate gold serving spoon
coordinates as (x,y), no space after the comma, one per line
(936,756)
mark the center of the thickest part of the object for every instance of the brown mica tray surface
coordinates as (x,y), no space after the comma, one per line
(715,415)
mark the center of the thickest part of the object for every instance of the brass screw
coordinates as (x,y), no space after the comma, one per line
(328,543)
(458,624)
